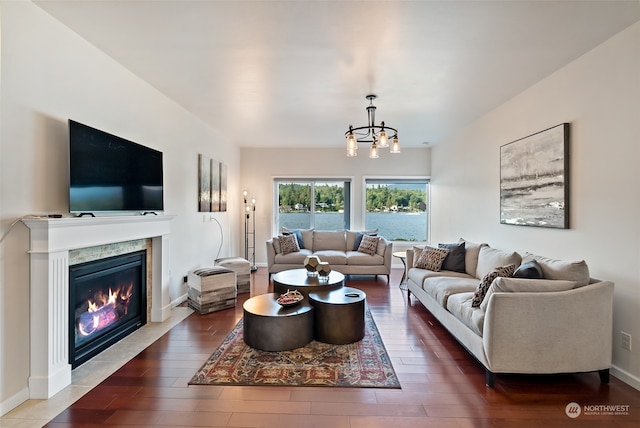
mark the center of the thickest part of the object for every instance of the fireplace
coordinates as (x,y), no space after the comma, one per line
(107,301)
(51,240)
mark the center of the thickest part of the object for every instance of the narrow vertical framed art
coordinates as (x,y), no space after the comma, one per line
(204,183)
(534,179)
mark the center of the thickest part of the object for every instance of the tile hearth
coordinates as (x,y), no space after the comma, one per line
(36,413)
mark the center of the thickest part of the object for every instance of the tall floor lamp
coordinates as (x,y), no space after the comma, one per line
(250,215)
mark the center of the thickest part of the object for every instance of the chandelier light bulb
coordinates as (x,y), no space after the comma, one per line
(383,141)
(373,153)
(352,152)
(395,146)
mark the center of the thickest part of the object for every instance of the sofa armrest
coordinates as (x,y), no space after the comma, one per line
(409,260)
(388,253)
(550,332)
(271,254)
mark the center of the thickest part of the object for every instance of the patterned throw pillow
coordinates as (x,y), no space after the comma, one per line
(432,258)
(288,244)
(483,287)
(368,245)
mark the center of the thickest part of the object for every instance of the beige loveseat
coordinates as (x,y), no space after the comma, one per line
(338,248)
(560,323)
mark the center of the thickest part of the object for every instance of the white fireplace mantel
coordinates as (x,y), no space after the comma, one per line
(50,242)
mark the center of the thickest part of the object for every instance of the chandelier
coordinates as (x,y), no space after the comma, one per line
(377,135)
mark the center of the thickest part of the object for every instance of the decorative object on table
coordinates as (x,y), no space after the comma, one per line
(290,298)
(250,231)
(211,289)
(371,133)
(323,269)
(534,179)
(311,264)
(364,364)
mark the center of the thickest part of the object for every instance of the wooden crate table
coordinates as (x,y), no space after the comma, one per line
(242,268)
(211,289)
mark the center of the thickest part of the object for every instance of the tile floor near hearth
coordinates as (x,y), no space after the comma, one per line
(36,413)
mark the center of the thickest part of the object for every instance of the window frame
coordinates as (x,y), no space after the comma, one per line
(398,179)
(348,200)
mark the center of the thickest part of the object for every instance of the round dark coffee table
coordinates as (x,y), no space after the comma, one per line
(338,315)
(271,327)
(297,279)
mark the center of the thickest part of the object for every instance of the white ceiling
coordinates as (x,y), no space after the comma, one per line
(295,73)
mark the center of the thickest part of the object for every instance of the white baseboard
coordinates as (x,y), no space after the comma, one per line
(626,377)
(14,401)
(179,300)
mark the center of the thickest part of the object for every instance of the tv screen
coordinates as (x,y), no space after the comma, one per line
(110,174)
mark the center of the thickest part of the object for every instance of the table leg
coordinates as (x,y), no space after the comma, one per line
(403,281)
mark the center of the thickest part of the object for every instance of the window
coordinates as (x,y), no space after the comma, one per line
(397,208)
(319,204)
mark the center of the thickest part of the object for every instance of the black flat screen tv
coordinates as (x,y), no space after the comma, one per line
(111,174)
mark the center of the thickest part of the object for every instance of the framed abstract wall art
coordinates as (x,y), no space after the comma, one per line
(534,179)
(204,183)
(212,185)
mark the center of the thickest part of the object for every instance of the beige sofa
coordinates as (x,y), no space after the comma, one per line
(338,248)
(561,323)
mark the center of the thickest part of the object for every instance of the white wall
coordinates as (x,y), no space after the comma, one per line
(50,74)
(260,166)
(599,95)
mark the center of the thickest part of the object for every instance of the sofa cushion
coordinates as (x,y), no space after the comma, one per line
(333,257)
(472,250)
(491,258)
(368,245)
(441,287)
(361,259)
(296,258)
(460,306)
(455,260)
(559,269)
(486,281)
(431,258)
(529,270)
(288,244)
(514,285)
(329,240)
(420,275)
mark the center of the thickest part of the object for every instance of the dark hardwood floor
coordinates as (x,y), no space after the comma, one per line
(442,385)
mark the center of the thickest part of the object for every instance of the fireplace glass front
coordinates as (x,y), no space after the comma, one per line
(107,302)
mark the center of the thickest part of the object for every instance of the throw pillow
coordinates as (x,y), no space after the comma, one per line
(455,260)
(368,244)
(530,270)
(359,235)
(298,234)
(432,258)
(288,244)
(483,287)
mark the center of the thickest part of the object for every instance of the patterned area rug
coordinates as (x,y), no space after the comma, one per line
(364,364)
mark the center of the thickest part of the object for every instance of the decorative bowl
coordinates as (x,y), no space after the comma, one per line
(290,298)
